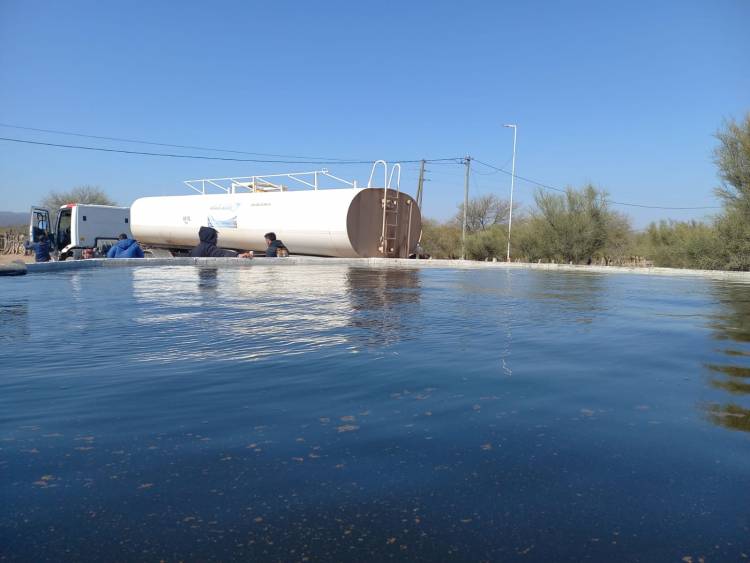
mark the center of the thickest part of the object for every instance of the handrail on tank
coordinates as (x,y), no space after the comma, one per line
(385,173)
(231,184)
(395,167)
(353,183)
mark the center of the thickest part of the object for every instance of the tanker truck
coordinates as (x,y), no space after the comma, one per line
(345,222)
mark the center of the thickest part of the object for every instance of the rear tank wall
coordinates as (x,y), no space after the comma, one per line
(365,224)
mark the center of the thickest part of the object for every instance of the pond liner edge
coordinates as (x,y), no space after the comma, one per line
(400,263)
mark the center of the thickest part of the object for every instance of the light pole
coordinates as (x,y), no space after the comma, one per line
(512,184)
(467,161)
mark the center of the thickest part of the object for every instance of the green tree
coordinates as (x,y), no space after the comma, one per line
(618,246)
(576,226)
(488,243)
(441,240)
(482,213)
(733,231)
(732,157)
(724,242)
(682,244)
(530,240)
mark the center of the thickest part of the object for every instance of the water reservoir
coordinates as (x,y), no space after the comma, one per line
(331,412)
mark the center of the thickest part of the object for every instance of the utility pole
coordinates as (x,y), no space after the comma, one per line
(467,161)
(512,184)
(420,184)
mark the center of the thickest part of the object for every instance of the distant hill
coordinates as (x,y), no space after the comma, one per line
(13,218)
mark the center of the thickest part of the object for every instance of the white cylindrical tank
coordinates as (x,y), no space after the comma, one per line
(345,223)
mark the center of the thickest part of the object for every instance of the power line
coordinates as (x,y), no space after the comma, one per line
(203,157)
(153,143)
(282,160)
(458,160)
(498,169)
(495,171)
(611,201)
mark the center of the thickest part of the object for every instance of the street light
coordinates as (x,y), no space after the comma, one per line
(512,184)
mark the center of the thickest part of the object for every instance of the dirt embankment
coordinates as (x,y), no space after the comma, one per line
(8,258)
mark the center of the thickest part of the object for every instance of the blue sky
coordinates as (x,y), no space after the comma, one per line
(624,95)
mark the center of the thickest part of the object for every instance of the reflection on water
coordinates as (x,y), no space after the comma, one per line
(383,305)
(509,319)
(242,313)
(732,326)
(570,291)
(207,278)
(266,311)
(14,320)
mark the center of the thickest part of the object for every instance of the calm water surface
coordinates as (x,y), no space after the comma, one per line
(335,413)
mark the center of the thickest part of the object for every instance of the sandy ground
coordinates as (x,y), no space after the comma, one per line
(8,258)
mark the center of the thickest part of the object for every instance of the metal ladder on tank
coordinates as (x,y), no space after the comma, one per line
(390,206)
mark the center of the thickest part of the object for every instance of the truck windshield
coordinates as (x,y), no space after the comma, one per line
(62,236)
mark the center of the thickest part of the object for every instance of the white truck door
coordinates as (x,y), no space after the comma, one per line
(39,224)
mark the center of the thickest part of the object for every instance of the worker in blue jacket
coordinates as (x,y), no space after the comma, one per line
(125,248)
(41,248)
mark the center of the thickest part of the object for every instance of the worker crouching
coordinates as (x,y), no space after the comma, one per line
(274,247)
(125,248)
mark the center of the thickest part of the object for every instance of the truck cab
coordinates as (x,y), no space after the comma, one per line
(79,227)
